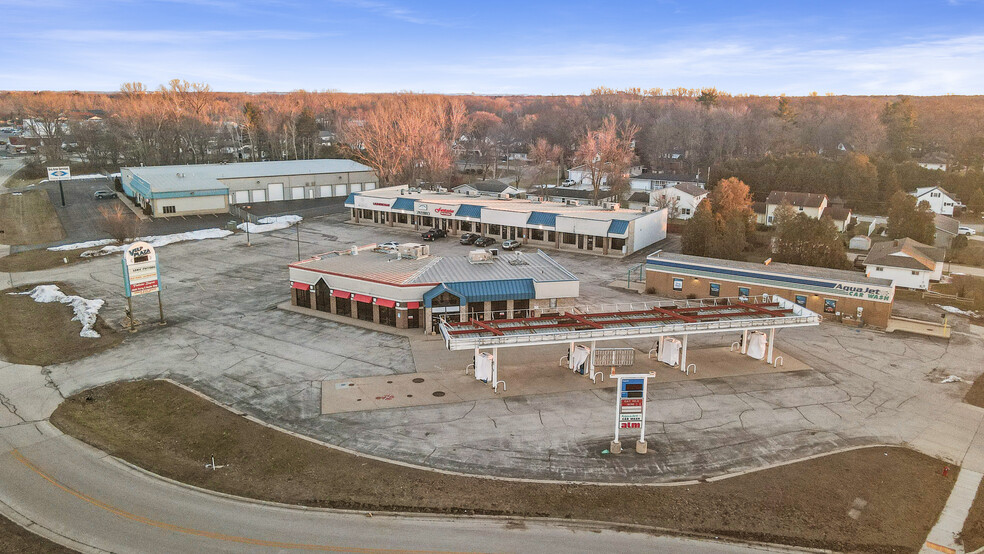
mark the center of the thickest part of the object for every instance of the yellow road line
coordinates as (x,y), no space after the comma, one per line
(197,532)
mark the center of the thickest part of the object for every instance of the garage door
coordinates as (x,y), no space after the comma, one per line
(297,193)
(241,197)
(259,195)
(356,187)
(370,186)
(275,192)
(325,191)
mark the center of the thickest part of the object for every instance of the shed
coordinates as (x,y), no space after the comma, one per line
(860,242)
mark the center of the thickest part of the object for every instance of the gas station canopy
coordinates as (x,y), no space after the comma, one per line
(636,320)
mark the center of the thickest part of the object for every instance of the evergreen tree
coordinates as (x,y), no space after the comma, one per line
(976,202)
(699,231)
(899,118)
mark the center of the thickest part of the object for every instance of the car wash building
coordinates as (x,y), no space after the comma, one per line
(837,294)
(413,290)
(172,190)
(606,230)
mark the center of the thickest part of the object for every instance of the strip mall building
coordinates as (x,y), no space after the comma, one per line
(831,292)
(414,290)
(605,230)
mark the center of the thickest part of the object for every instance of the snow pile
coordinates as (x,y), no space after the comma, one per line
(957,311)
(952,379)
(78,245)
(85,310)
(270,224)
(109,246)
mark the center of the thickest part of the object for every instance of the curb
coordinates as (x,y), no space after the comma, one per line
(32,526)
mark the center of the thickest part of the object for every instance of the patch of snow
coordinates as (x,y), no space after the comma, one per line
(78,245)
(267,224)
(85,310)
(161,240)
(952,379)
(958,311)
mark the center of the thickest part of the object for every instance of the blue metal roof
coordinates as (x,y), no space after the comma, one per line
(469,210)
(350,201)
(403,204)
(618,227)
(482,291)
(543,219)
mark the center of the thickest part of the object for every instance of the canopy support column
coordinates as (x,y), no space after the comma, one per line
(683,354)
(744,341)
(772,340)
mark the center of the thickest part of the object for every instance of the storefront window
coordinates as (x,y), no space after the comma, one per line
(829,306)
(536,234)
(387,316)
(343,306)
(401,218)
(494,230)
(677,283)
(570,238)
(476,310)
(743,291)
(552,236)
(801,300)
(521,308)
(499,309)
(715,289)
(617,244)
(364,311)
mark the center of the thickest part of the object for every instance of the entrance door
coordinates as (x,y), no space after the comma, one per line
(580,241)
(275,191)
(590,243)
(364,311)
(322,297)
(302,298)
(413,318)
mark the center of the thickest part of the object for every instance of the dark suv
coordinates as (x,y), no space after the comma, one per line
(468,238)
(485,241)
(434,233)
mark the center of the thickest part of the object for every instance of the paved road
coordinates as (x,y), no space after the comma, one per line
(67,490)
(9,166)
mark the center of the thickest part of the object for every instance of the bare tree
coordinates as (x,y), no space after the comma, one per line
(606,153)
(119,223)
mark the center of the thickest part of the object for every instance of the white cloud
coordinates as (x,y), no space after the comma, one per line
(169,36)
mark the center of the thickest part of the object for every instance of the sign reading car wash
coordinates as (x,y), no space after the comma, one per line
(141,274)
(630,407)
(60,173)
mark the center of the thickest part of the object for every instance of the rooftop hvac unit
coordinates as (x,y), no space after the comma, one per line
(573,203)
(494,251)
(612,206)
(650,209)
(414,250)
(480,257)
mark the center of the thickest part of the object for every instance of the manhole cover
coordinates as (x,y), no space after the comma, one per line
(438,393)
(389,382)
(409,396)
(418,380)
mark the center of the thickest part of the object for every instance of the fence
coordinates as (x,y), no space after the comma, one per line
(948,297)
(616,357)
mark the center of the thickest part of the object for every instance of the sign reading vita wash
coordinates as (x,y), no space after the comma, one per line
(141,273)
(60,173)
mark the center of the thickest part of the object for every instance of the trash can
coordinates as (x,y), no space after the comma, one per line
(231,225)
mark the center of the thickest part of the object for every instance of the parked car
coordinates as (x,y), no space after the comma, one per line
(484,241)
(568,183)
(469,238)
(434,233)
(103,194)
(966,231)
(510,244)
(391,245)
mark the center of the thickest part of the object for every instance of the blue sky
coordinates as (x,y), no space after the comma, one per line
(505,47)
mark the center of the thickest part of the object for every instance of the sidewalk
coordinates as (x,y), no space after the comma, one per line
(943,536)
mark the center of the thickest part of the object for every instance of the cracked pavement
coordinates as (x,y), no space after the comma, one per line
(225,338)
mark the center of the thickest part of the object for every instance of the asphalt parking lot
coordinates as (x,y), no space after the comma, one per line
(226,338)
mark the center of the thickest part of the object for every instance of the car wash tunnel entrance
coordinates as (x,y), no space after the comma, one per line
(574,350)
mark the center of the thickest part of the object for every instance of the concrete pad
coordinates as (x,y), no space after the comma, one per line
(453,386)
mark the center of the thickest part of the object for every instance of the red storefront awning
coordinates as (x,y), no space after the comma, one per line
(341,293)
(301,286)
(413,305)
(362,298)
(385,303)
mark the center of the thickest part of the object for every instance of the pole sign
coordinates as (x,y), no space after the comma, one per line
(60,173)
(630,407)
(141,273)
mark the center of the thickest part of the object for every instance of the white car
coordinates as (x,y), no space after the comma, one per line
(391,245)
(966,231)
(568,183)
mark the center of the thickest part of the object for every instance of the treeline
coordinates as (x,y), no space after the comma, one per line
(859,148)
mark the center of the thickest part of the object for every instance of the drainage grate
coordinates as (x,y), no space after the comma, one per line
(418,379)
(438,393)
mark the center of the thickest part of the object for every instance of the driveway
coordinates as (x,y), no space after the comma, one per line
(9,166)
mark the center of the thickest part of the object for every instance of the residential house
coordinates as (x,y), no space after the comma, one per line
(934,162)
(681,200)
(580,197)
(813,205)
(946,229)
(906,262)
(657,181)
(22,145)
(840,215)
(487,188)
(938,199)
(639,200)
(761,213)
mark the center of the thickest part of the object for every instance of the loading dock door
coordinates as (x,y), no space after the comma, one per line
(241,197)
(275,191)
(297,193)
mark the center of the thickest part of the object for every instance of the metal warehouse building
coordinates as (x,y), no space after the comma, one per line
(831,292)
(412,290)
(170,190)
(606,230)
